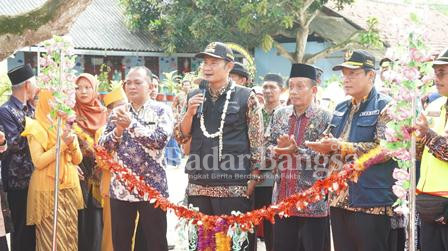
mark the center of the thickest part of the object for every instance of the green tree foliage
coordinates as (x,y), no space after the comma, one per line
(188,25)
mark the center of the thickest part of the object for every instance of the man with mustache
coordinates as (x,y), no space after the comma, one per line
(297,167)
(361,214)
(432,185)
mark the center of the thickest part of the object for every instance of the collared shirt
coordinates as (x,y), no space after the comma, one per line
(268,179)
(299,176)
(17,165)
(267,116)
(141,148)
(342,200)
(436,144)
(256,141)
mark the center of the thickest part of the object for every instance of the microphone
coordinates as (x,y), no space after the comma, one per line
(203,88)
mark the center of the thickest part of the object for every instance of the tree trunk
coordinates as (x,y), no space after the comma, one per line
(301,40)
(55,17)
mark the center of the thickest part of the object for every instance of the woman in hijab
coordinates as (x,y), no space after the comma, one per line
(91,116)
(41,135)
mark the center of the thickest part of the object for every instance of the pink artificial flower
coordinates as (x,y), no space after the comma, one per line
(405,95)
(390,134)
(400,174)
(46,61)
(71,119)
(399,191)
(44,78)
(402,154)
(403,113)
(405,133)
(411,73)
(416,55)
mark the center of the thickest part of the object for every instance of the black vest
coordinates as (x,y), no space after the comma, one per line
(203,166)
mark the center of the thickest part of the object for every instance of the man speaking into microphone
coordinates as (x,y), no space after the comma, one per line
(226,138)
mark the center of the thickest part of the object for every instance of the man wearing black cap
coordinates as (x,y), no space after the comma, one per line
(297,168)
(17,166)
(226,138)
(432,185)
(361,214)
(239,74)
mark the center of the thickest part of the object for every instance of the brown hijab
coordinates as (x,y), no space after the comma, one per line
(90,116)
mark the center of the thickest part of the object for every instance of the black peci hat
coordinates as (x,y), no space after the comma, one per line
(303,70)
(20,74)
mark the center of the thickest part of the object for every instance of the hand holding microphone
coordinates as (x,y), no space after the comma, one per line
(195,103)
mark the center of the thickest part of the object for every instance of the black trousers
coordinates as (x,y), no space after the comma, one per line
(263,197)
(90,226)
(434,237)
(153,222)
(23,237)
(3,244)
(355,231)
(218,206)
(140,242)
(302,234)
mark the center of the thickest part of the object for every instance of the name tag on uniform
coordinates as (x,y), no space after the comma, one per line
(433,113)
(369,113)
(338,113)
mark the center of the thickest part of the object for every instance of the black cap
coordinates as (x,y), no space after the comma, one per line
(240,69)
(217,50)
(20,74)
(274,77)
(303,70)
(358,59)
(442,59)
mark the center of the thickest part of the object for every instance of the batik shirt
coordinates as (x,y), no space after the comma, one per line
(268,179)
(256,141)
(17,165)
(302,171)
(342,200)
(141,148)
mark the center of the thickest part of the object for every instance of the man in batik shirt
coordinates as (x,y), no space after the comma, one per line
(432,185)
(306,229)
(272,87)
(362,218)
(17,166)
(226,138)
(137,134)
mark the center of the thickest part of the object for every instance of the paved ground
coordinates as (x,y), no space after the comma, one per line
(177,182)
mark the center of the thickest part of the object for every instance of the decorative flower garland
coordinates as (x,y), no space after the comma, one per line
(57,74)
(223,118)
(410,70)
(217,231)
